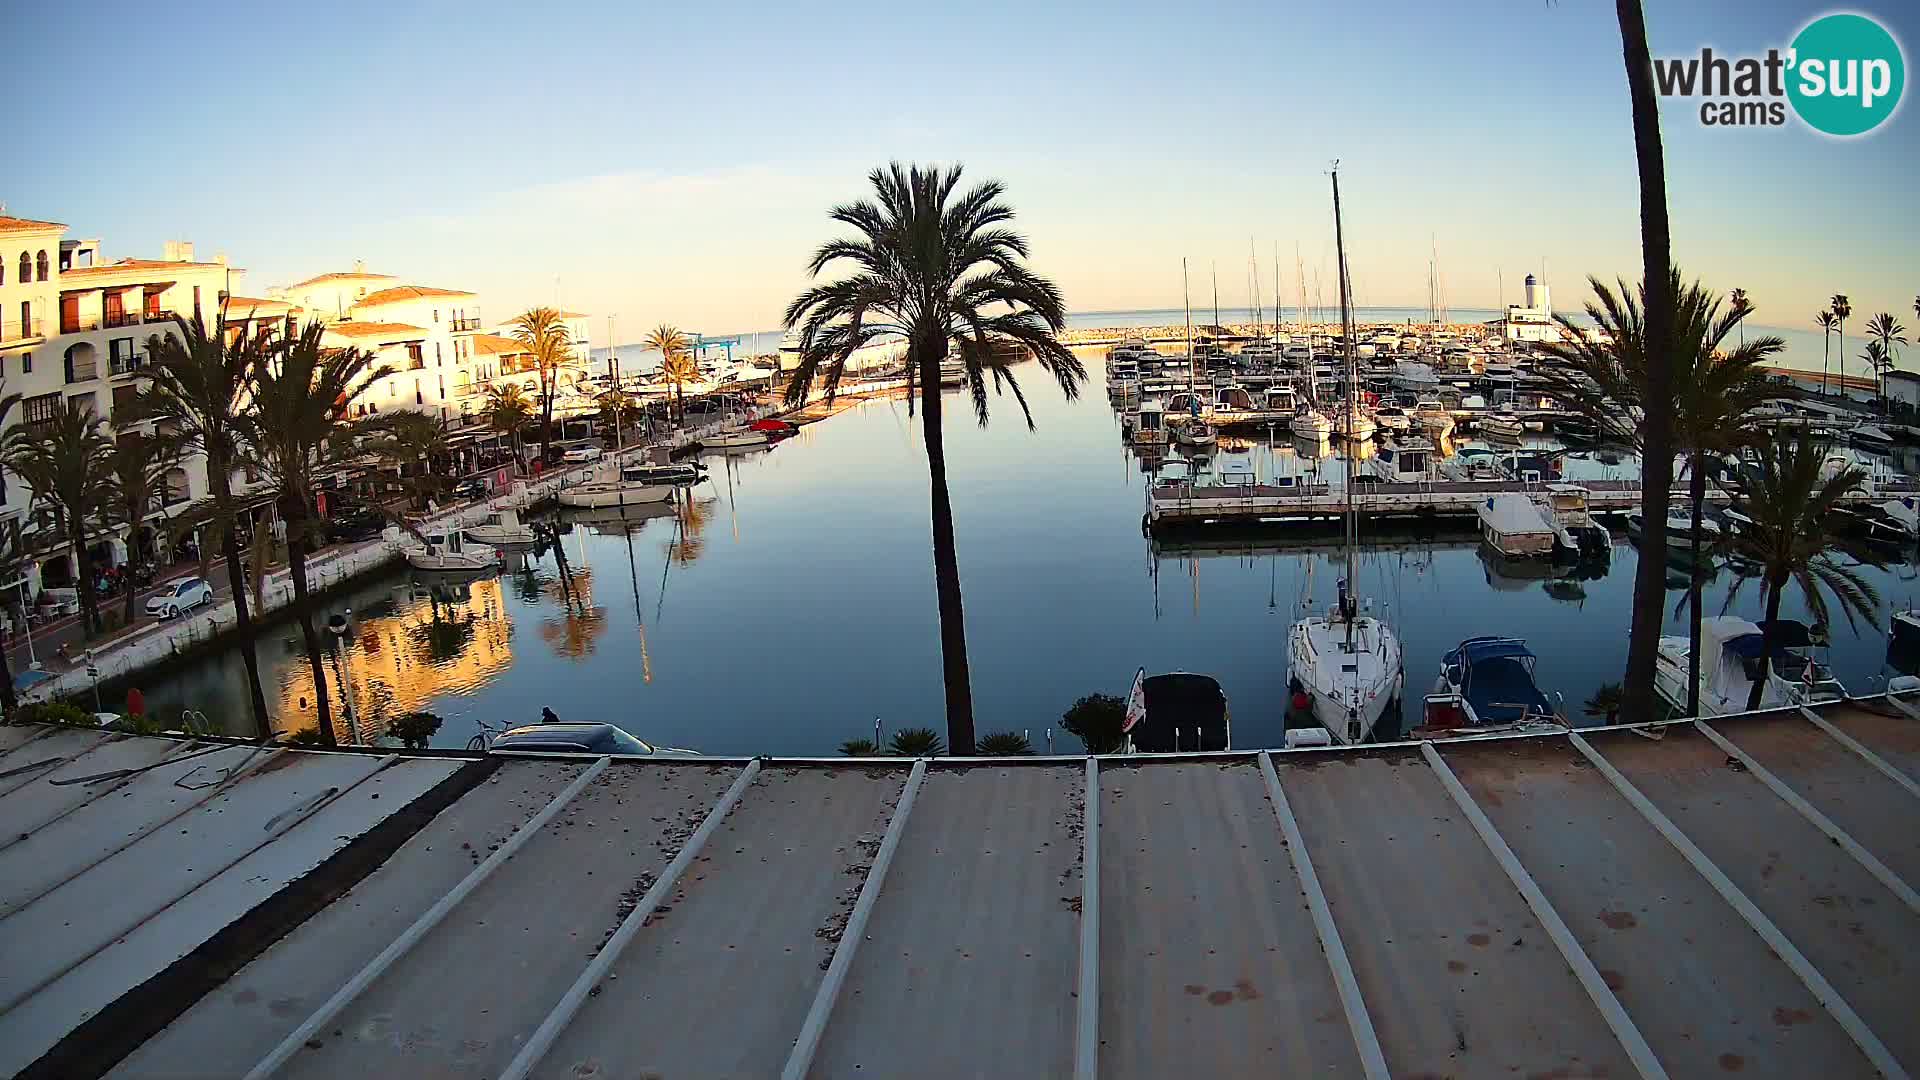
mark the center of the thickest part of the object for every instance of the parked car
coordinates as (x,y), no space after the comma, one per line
(582,455)
(579,739)
(180,597)
(476,488)
(353,524)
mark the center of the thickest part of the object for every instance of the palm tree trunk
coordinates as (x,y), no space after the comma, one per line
(89,603)
(1826,358)
(1695,601)
(946,563)
(1656,242)
(8,701)
(133,544)
(237,584)
(295,512)
(1774,591)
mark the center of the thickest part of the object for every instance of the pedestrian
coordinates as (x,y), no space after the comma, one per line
(547,716)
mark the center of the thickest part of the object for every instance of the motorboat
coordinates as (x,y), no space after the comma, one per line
(1232,404)
(1392,418)
(953,374)
(1487,687)
(627,487)
(444,550)
(1678,526)
(1178,712)
(1514,525)
(1312,424)
(1434,416)
(1893,521)
(1193,433)
(1732,649)
(1123,375)
(501,526)
(1576,533)
(747,437)
(678,472)
(1150,424)
(1473,464)
(1503,425)
(1353,423)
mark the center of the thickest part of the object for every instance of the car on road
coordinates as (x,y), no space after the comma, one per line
(582,455)
(474,488)
(564,738)
(180,597)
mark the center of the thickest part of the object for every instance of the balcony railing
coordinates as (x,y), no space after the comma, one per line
(472,322)
(19,331)
(80,372)
(121,318)
(127,365)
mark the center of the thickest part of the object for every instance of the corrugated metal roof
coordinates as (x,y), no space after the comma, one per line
(1671,900)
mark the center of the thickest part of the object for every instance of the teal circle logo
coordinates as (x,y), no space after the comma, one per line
(1847,76)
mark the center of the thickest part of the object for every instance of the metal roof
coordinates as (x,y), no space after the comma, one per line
(1681,899)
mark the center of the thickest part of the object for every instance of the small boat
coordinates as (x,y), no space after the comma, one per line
(1504,425)
(1678,526)
(1434,416)
(1731,649)
(775,429)
(1869,437)
(1312,424)
(1393,418)
(1174,713)
(630,486)
(748,437)
(953,374)
(1194,433)
(443,550)
(1150,424)
(1576,534)
(500,527)
(1486,687)
(1353,423)
(679,472)
(1515,526)
(1472,464)
(1891,522)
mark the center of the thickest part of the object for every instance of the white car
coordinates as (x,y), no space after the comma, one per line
(180,597)
(582,455)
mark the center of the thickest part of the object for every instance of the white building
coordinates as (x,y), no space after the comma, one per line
(1532,320)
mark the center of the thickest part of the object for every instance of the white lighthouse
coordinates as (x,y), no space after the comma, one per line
(1537,296)
(1532,320)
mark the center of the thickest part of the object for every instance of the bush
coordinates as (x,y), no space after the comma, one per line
(1004,744)
(309,736)
(54,712)
(859,748)
(917,742)
(1096,720)
(415,729)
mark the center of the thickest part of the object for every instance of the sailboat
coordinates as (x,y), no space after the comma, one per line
(1346,664)
(1309,423)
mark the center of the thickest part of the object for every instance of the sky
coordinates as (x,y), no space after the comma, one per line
(675,162)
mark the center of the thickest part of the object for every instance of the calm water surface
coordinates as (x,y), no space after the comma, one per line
(791,603)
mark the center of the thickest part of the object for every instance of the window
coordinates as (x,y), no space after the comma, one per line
(196,303)
(436,315)
(82,404)
(43,265)
(414,355)
(436,354)
(124,396)
(26,317)
(417,398)
(3,272)
(26,268)
(39,411)
(26,363)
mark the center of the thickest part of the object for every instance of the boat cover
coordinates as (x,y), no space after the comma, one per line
(1495,675)
(1193,706)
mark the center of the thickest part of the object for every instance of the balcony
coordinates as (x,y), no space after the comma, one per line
(127,365)
(31,330)
(121,318)
(471,322)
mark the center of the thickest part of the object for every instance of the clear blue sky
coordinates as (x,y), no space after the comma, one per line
(673,162)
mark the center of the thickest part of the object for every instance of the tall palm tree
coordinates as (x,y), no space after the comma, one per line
(543,333)
(296,429)
(508,412)
(1841,309)
(1657,429)
(196,386)
(1789,501)
(679,369)
(140,463)
(1738,303)
(939,269)
(66,461)
(1886,332)
(675,366)
(1606,381)
(14,556)
(415,445)
(1826,321)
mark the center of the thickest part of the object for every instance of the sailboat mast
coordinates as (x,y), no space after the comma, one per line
(1186,297)
(1353,376)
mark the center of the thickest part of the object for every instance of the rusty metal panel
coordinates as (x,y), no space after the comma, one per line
(1701,986)
(968,965)
(1209,961)
(1459,978)
(717,985)
(1847,924)
(461,1003)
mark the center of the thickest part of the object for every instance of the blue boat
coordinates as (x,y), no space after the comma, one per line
(1487,686)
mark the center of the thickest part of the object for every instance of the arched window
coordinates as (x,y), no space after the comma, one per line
(26,268)
(43,265)
(3,271)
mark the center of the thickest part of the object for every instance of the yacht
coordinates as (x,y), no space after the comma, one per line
(953,374)
(1472,463)
(1178,712)
(1150,424)
(1231,404)
(1893,521)
(1487,687)
(1392,418)
(1351,421)
(444,550)
(1345,664)
(1504,425)
(631,485)
(1731,650)
(1434,416)
(1576,533)
(747,437)
(1123,376)
(1193,433)
(1514,525)
(501,526)
(1678,526)
(1312,424)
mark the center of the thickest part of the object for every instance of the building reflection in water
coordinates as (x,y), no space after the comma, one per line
(428,640)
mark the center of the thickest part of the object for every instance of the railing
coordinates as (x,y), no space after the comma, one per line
(82,372)
(78,323)
(471,322)
(121,318)
(127,365)
(22,331)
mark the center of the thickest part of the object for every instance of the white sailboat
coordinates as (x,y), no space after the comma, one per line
(1347,664)
(1309,422)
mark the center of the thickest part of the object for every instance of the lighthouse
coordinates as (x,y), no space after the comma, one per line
(1532,320)
(1537,301)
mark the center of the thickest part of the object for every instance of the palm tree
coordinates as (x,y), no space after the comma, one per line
(410,440)
(1885,332)
(1715,394)
(543,332)
(680,369)
(140,463)
(508,412)
(1789,501)
(296,429)
(939,269)
(1826,321)
(66,461)
(1841,309)
(14,556)
(675,366)
(1738,304)
(196,386)
(618,411)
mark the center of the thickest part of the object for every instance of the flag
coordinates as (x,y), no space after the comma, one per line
(1136,702)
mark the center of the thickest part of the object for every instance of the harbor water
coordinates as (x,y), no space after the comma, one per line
(787,604)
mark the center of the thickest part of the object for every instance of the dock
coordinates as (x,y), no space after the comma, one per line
(1474,907)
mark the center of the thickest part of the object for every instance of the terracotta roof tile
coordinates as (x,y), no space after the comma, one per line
(388,330)
(495,345)
(16,224)
(354,276)
(403,293)
(121,266)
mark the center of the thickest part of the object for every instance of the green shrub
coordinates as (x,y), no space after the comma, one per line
(917,742)
(54,712)
(859,748)
(309,736)
(1003,744)
(415,729)
(1097,721)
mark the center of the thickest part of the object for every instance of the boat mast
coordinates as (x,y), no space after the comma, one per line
(1186,297)
(1353,375)
(1313,383)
